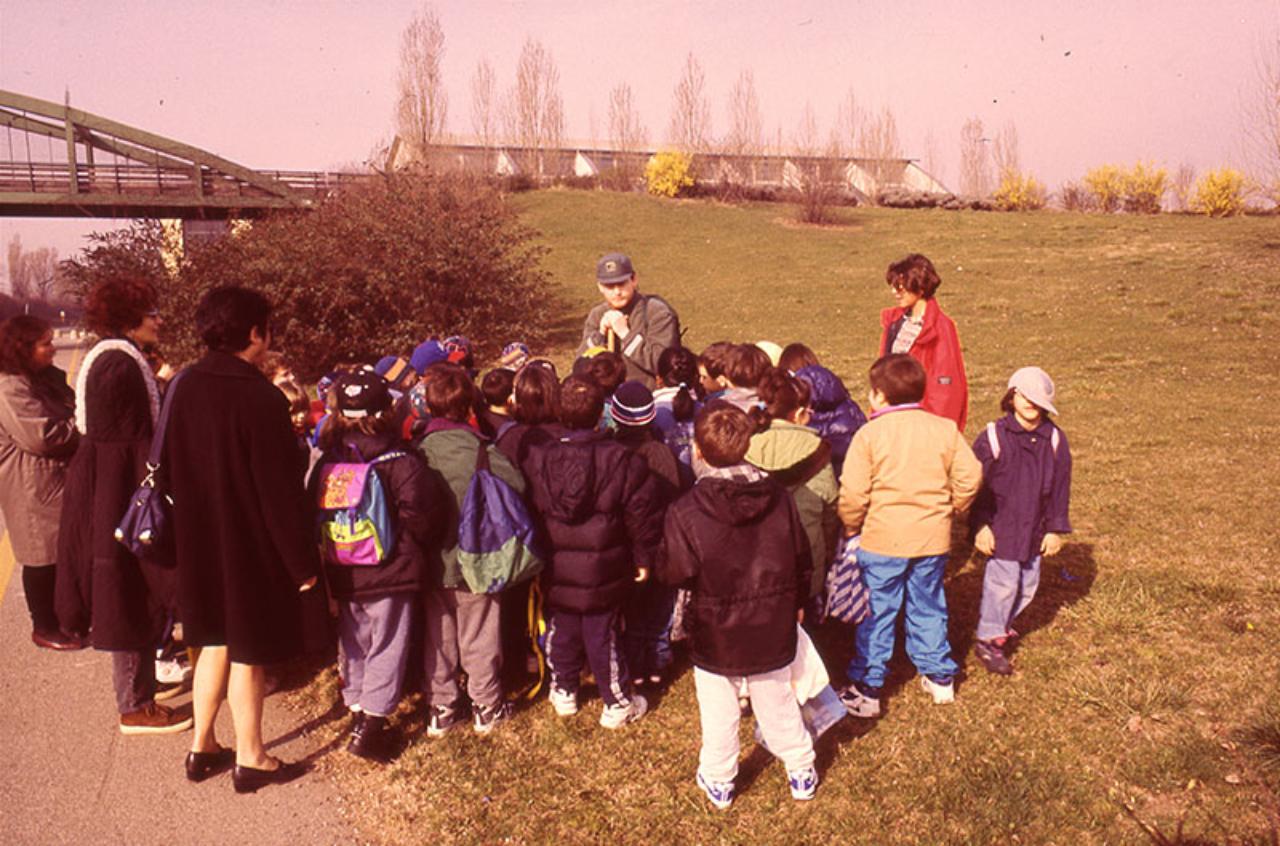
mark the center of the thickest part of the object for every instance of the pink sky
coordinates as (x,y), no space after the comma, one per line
(310,85)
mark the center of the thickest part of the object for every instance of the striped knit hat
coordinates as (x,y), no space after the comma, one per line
(632,405)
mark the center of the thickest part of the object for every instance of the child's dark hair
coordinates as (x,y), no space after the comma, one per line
(298,399)
(899,377)
(495,387)
(745,364)
(914,273)
(581,403)
(450,392)
(1006,404)
(535,395)
(678,368)
(722,432)
(781,395)
(712,358)
(607,369)
(795,357)
(336,426)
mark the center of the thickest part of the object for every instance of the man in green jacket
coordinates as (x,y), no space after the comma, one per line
(636,326)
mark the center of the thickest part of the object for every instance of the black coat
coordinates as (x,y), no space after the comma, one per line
(416,499)
(740,549)
(598,505)
(244,529)
(100,585)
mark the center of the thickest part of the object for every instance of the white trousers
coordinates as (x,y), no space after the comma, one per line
(776,710)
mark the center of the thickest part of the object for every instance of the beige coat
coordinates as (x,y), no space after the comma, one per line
(906,473)
(37,438)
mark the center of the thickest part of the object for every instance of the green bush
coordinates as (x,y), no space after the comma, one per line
(669,174)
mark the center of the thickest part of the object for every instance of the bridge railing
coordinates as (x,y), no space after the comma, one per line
(142,179)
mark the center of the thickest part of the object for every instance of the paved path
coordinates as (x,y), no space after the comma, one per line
(69,777)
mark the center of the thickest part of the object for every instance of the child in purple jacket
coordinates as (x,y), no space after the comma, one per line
(1021,511)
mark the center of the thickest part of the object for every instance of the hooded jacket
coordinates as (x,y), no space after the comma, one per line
(937,348)
(598,507)
(799,460)
(836,417)
(741,551)
(1026,491)
(416,501)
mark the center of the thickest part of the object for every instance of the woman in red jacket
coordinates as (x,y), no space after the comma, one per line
(917,326)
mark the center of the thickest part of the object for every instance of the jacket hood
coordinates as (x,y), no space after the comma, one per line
(368,446)
(826,391)
(928,323)
(733,502)
(782,445)
(568,475)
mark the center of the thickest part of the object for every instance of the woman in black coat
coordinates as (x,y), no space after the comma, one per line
(242,526)
(102,589)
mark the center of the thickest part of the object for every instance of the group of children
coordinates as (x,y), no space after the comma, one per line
(708,507)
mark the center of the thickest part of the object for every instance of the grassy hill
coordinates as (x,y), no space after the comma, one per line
(1147,679)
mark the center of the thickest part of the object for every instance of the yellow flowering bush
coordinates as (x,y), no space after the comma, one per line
(1106,185)
(1144,188)
(1219,193)
(668,174)
(1019,192)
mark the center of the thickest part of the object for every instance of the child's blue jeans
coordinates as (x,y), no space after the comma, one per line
(893,583)
(1007,589)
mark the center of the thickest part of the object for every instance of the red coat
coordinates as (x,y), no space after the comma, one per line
(937,349)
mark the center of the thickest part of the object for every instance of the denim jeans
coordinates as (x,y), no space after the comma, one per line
(1007,589)
(893,583)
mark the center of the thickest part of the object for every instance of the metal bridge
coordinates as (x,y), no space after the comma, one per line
(109,169)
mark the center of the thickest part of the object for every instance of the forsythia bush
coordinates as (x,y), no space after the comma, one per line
(1019,192)
(1220,193)
(1144,188)
(1106,185)
(668,174)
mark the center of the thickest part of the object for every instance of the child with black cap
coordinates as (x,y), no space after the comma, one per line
(375,603)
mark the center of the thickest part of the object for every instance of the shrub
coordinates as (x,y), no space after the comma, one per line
(1105,185)
(1144,188)
(375,269)
(1075,197)
(1019,192)
(1220,193)
(669,174)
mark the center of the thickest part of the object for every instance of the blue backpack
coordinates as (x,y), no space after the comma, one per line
(356,525)
(496,535)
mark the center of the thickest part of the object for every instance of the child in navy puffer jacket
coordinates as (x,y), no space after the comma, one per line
(836,417)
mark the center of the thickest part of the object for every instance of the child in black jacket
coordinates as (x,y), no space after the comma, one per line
(736,542)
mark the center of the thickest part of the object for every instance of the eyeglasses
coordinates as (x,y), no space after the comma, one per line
(154,314)
(897,287)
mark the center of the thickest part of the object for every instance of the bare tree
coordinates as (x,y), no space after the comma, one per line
(1184,181)
(848,125)
(535,109)
(627,134)
(805,140)
(423,103)
(484,118)
(933,157)
(746,130)
(1261,118)
(41,271)
(975,180)
(1004,152)
(690,129)
(19,283)
(879,145)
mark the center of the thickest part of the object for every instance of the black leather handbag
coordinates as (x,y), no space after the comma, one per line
(146,529)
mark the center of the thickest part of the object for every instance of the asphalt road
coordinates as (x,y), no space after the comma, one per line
(70,777)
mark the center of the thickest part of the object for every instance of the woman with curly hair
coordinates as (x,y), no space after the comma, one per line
(37,438)
(122,602)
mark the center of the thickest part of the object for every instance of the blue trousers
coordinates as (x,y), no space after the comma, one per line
(1007,589)
(915,583)
(649,613)
(572,637)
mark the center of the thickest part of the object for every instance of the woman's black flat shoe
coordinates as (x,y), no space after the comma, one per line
(201,765)
(248,779)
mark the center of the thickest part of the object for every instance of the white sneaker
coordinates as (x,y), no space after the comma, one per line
(565,702)
(858,704)
(172,671)
(943,694)
(617,716)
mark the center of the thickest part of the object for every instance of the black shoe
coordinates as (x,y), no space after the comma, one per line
(357,723)
(375,741)
(993,658)
(249,779)
(201,765)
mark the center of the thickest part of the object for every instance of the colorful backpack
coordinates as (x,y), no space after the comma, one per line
(356,525)
(848,599)
(496,543)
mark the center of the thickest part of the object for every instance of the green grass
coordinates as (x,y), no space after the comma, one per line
(1141,686)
